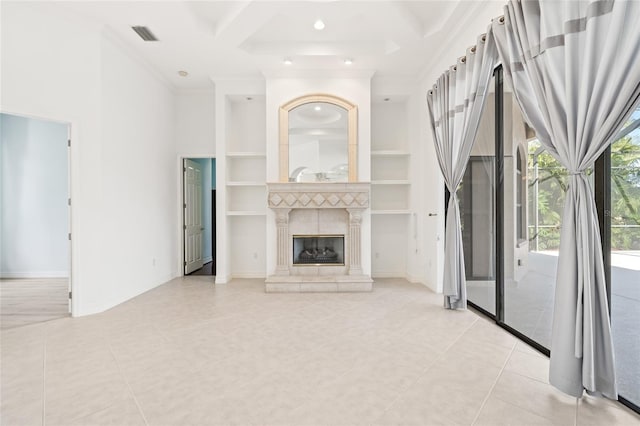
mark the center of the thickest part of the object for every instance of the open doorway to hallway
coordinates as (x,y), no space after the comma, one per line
(199,213)
(34,220)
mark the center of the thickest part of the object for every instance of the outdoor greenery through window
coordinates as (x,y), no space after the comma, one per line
(546,187)
(625,257)
(548,182)
(625,191)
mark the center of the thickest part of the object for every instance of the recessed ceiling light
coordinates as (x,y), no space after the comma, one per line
(183,73)
(249,98)
(348,61)
(318,25)
(287,61)
(386,99)
(317,108)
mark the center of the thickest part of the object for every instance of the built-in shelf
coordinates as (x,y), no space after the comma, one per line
(390,212)
(247,154)
(389,153)
(390,182)
(246,213)
(390,187)
(245,200)
(245,183)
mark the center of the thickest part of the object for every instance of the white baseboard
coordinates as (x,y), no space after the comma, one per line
(220,279)
(431,286)
(104,305)
(414,279)
(411,278)
(249,276)
(387,274)
(43,274)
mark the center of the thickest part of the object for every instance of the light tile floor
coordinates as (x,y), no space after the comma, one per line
(528,307)
(191,353)
(29,300)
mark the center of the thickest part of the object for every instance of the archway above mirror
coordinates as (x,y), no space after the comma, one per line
(318,139)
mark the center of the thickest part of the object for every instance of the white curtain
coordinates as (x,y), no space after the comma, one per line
(574,67)
(455,105)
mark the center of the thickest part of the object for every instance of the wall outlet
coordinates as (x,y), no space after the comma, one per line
(153,261)
(255,255)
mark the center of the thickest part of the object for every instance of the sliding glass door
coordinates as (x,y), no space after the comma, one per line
(476,196)
(511,203)
(624,186)
(534,193)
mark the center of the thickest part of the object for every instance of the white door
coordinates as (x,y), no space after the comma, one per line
(192,216)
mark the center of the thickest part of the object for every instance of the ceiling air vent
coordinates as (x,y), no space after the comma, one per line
(144,33)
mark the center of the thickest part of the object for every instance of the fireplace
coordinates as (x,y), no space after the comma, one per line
(318,250)
(318,237)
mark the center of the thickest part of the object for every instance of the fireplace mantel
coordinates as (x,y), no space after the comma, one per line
(352,197)
(323,195)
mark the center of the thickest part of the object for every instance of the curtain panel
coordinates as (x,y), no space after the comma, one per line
(574,67)
(455,105)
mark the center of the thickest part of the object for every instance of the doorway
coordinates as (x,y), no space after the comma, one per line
(35,226)
(198,216)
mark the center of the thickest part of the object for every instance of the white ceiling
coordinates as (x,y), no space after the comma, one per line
(243,39)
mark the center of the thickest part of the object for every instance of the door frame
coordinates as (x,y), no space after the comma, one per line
(73,170)
(180,210)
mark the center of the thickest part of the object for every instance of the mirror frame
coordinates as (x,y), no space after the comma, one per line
(352,131)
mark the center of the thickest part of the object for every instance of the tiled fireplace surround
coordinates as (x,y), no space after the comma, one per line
(318,209)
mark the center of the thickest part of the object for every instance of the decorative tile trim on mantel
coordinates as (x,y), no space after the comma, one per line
(318,195)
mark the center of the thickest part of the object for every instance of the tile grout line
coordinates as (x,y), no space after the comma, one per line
(144,418)
(462,334)
(495,382)
(424,371)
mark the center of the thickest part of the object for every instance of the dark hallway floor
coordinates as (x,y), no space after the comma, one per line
(207,269)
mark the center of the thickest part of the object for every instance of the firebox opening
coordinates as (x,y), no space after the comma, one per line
(318,250)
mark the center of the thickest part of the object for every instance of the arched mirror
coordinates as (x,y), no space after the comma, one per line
(318,140)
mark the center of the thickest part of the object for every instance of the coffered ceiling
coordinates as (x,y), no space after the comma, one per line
(244,39)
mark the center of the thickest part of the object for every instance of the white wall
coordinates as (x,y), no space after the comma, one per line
(195,123)
(123,164)
(519,263)
(34,215)
(195,115)
(138,160)
(356,90)
(60,80)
